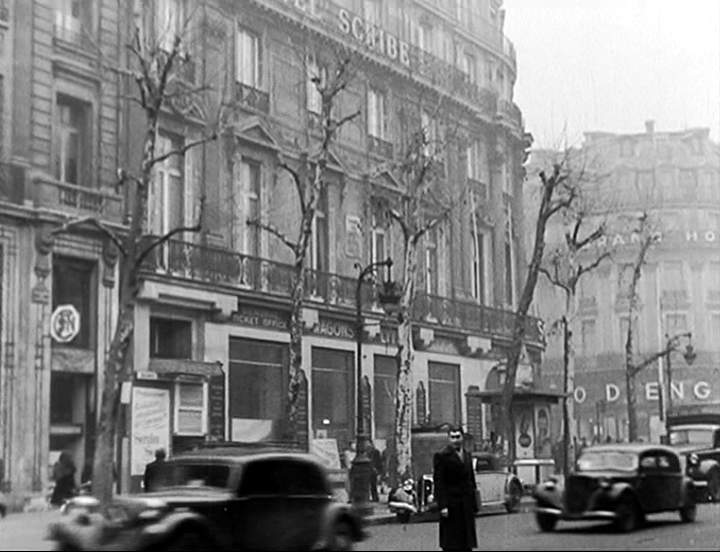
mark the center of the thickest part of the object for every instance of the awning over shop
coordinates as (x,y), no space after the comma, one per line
(173,367)
(519,395)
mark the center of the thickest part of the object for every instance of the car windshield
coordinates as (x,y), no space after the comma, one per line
(691,437)
(607,460)
(193,475)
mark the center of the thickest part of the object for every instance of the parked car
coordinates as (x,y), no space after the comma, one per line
(621,483)
(219,498)
(697,437)
(497,485)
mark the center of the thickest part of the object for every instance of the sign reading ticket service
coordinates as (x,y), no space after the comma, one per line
(150,426)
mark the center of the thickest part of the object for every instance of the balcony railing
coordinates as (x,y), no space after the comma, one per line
(224,267)
(380,147)
(252,97)
(77,199)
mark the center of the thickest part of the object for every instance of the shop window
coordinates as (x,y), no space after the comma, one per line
(170,338)
(73,284)
(258,387)
(333,395)
(444,383)
(190,408)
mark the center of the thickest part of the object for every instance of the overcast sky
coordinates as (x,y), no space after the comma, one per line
(612,64)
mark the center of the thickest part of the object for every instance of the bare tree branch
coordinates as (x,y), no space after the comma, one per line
(182,150)
(298,185)
(169,235)
(74,223)
(274,231)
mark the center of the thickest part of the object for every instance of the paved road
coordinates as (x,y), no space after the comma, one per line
(519,532)
(496,532)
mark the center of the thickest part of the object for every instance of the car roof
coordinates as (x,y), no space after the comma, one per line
(636,448)
(233,456)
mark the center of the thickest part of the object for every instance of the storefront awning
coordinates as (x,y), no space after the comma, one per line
(519,395)
(172,367)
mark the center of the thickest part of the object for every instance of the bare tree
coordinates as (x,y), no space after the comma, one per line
(309,178)
(423,204)
(565,266)
(648,237)
(157,66)
(557,194)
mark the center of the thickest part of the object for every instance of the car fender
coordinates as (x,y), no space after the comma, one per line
(707,465)
(548,494)
(619,489)
(174,522)
(335,512)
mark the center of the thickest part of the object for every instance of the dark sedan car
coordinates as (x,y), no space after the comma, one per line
(219,499)
(621,483)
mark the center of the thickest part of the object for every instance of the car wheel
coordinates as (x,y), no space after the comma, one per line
(628,517)
(546,522)
(688,512)
(186,540)
(341,537)
(714,486)
(513,501)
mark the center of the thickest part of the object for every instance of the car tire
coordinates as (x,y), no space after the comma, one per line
(713,488)
(341,537)
(546,522)
(628,517)
(515,496)
(688,513)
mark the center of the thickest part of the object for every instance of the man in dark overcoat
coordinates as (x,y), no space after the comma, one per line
(455,492)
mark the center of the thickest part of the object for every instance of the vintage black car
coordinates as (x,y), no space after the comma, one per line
(621,483)
(697,437)
(219,499)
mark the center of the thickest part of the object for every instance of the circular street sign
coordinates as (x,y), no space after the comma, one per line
(64,323)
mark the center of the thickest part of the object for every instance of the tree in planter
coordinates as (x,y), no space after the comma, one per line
(309,178)
(158,69)
(420,207)
(557,194)
(578,255)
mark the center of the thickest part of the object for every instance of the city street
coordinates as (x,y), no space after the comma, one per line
(495,532)
(519,532)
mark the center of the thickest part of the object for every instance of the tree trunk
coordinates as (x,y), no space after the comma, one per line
(401,460)
(104,466)
(293,430)
(630,388)
(567,390)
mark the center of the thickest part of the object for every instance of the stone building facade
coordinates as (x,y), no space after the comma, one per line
(675,177)
(210,341)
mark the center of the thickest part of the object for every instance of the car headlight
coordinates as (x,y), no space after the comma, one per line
(605,483)
(693,460)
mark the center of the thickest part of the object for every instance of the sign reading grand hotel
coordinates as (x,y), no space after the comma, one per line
(690,236)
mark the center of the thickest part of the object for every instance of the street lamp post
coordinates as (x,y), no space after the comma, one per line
(689,356)
(361,464)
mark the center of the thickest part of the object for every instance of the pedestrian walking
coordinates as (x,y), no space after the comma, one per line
(152,470)
(455,493)
(64,476)
(376,471)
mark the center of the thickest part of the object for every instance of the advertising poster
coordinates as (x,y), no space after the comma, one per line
(150,426)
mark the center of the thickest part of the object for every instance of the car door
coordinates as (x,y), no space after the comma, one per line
(490,481)
(670,479)
(261,520)
(650,482)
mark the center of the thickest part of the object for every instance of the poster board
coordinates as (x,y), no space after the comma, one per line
(150,426)
(326,450)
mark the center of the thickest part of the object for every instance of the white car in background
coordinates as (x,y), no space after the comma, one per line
(498,486)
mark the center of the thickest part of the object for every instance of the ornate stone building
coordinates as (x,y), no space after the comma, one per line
(675,177)
(209,348)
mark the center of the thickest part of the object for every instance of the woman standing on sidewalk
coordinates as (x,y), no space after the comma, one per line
(64,476)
